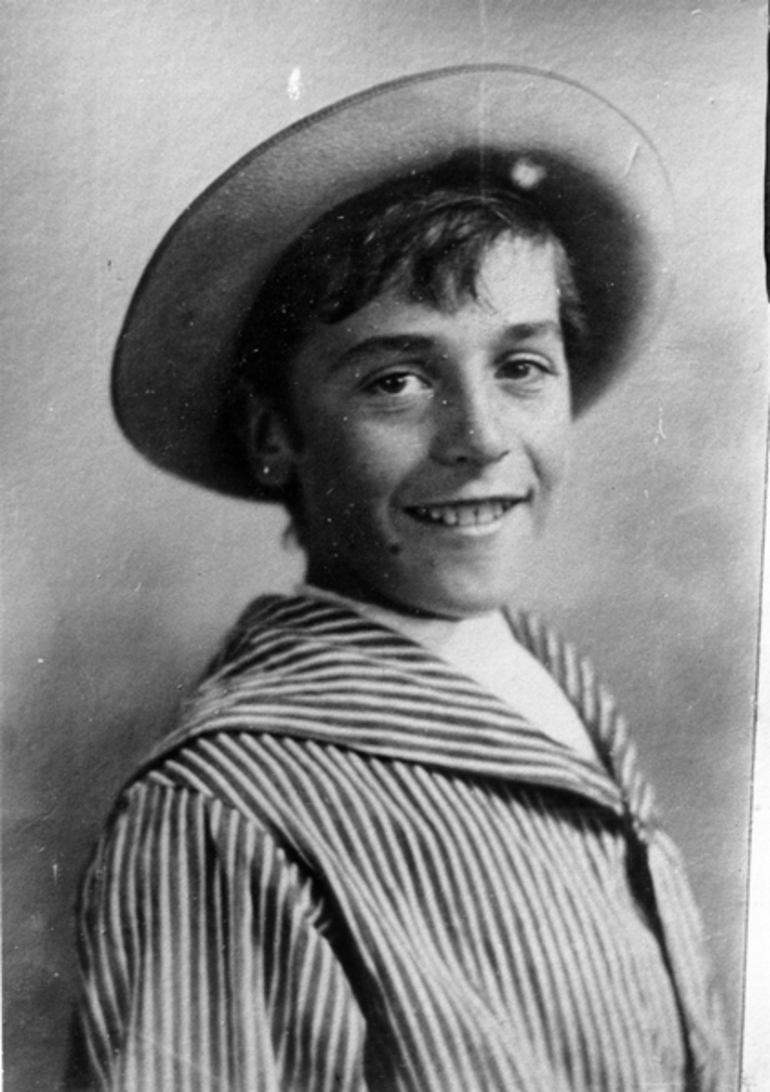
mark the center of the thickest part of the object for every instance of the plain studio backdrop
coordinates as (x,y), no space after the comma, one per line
(118,580)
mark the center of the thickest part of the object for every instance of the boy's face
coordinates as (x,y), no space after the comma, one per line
(430,441)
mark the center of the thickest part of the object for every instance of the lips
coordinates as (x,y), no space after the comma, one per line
(466,514)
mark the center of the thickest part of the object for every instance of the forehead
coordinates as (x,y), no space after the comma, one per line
(516,289)
(517,272)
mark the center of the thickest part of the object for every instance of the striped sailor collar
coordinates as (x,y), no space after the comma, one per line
(309,668)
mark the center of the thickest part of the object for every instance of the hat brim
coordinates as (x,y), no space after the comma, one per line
(603,189)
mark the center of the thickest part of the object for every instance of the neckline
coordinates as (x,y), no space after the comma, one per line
(449,650)
(307,668)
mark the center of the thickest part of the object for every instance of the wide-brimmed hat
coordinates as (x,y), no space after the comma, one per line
(594,174)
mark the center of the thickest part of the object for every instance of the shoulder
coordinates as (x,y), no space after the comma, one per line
(575,674)
(573,671)
(193,816)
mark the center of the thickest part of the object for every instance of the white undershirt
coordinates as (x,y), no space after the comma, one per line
(484,648)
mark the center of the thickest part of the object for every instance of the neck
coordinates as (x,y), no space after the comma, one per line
(364,597)
(434,631)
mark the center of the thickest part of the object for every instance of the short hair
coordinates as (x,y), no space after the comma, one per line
(423,237)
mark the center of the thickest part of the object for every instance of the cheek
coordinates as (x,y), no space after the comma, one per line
(350,476)
(372,463)
(553,450)
(560,463)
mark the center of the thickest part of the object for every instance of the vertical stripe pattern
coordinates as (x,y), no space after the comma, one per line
(351,868)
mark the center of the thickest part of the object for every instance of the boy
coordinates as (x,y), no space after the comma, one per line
(398,840)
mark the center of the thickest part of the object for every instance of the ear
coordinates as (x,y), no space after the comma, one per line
(268,444)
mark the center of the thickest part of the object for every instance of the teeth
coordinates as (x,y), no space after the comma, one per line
(464,515)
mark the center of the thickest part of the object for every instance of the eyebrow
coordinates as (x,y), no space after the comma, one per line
(372,346)
(408,343)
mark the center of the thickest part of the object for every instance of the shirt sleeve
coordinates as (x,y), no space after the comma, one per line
(204,961)
(687,950)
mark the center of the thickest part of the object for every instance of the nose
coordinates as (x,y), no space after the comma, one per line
(469,428)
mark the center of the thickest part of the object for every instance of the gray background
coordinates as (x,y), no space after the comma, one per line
(119,581)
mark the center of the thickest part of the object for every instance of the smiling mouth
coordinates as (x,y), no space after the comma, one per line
(466,514)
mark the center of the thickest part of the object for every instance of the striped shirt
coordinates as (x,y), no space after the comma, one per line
(353,868)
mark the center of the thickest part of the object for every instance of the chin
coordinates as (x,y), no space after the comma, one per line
(454,598)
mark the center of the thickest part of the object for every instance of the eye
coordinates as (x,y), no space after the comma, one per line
(398,384)
(526,369)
